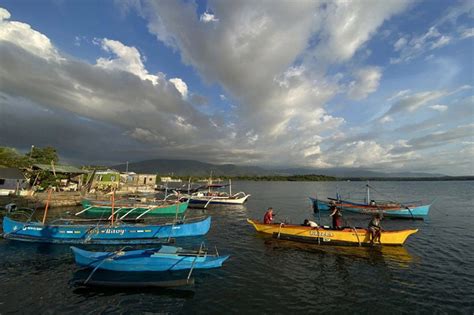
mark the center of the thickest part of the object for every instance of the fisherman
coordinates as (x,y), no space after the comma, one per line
(268,217)
(375,228)
(336,217)
(310,223)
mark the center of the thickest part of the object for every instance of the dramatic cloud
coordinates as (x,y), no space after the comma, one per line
(255,63)
(286,81)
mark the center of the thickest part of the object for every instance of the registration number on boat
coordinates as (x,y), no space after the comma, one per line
(321,234)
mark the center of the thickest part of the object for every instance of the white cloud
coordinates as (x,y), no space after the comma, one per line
(400,43)
(207,17)
(367,81)
(348,25)
(24,36)
(440,42)
(439,108)
(467,33)
(398,95)
(4,14)
(411,103)
(181,86)
(127,59)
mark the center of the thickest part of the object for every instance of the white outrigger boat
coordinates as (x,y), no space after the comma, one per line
(202,199)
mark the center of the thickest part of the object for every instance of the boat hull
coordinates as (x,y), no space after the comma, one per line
(144,260)
(98,209)
(323,236)
(409,212)
(101,234)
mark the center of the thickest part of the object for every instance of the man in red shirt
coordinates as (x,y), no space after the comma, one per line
(268,217)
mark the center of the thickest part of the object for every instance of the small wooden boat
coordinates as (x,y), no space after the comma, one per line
(165,258)
(326,236)
(126,208)
(100,233)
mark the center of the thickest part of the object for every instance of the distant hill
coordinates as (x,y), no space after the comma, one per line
(191,168)
(347,172)
(197,168)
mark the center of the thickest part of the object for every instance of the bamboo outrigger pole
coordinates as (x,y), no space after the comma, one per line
(47,205)
(113,205)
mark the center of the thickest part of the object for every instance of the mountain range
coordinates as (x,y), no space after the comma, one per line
(197,168)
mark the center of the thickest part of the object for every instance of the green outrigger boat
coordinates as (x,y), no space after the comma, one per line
(123,209)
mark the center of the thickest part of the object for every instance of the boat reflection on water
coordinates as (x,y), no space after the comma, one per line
(184,292)
(396,256)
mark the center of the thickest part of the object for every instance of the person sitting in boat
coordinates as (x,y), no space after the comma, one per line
(268,217)
(336,217)
(375,228)
(310,223)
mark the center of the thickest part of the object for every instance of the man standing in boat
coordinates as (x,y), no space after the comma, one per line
(336,217)
(268,217)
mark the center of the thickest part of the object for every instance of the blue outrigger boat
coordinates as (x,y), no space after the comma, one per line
(101,233)
(409,210)
(165,258)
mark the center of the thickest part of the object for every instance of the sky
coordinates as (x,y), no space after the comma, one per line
(381,85)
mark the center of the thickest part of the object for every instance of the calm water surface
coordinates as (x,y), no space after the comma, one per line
(432,273)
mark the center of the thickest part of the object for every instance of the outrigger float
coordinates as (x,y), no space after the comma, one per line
(326,236)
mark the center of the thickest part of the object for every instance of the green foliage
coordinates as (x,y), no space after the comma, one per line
(10,157)
(43,155)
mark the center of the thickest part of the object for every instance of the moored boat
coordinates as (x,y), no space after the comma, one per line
(165,258)
(394,210)
(327,236)
(126,208)
(214,196)
(409,210)
(118,233)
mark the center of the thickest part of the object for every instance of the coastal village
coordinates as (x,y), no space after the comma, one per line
(28,185)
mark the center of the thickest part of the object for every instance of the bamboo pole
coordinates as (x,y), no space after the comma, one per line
(113,205)
(47,205)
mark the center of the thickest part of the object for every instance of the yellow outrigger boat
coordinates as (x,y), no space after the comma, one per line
(326,236)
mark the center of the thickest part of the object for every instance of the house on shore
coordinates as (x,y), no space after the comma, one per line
(138,182)
(60,177)
(12,181)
